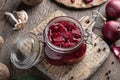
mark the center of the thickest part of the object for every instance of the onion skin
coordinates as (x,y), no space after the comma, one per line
(116,50)
(113,9)
(110,31)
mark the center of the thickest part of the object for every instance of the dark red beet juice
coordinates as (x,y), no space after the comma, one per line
(64,41)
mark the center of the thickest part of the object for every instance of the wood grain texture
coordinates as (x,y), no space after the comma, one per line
(94,56)
(80,3)
(36,14)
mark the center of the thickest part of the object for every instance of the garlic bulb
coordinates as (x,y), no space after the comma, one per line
(17,18)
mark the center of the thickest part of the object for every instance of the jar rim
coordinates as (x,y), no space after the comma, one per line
(60,49)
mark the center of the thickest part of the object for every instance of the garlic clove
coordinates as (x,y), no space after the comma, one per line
(21,15)
(18,19)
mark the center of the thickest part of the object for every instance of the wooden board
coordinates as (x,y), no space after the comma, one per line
(96,54)
(80,3)
(36,15)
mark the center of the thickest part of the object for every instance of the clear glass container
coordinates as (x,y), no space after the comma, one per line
(57,55)
(26,51)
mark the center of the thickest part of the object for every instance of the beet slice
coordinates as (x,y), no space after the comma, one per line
(55,35)
(64,34)
(54,27)
(62,28)
(76,33)
(59,39)
(69,25)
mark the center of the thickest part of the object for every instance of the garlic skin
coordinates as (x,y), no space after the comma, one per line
(32,2)
(18,19)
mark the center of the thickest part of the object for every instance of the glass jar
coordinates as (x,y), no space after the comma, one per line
(26,51)
(28,48)
(56,51)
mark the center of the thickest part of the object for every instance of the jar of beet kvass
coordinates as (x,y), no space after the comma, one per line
(63,44)
(64,40)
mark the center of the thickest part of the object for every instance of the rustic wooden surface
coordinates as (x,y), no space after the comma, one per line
(36,14)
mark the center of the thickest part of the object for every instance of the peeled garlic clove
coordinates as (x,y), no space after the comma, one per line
(116,48)
(18,19)
(32,2)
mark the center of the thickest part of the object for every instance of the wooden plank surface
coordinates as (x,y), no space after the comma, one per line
(36,14)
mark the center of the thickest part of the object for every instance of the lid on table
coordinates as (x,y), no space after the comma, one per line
(26,51)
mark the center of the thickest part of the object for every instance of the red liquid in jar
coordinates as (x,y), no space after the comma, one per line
(64,34)
(64,59)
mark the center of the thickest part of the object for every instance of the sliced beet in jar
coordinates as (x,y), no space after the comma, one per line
(64,41)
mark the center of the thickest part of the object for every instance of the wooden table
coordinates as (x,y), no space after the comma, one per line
(110,70)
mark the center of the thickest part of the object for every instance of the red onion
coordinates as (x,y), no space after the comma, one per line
(111,31)
(116,48)
(113,9)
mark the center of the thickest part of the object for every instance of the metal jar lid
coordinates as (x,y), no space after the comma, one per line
(26,51)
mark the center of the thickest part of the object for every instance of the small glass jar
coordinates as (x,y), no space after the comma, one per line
(57,55)
(26,51)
